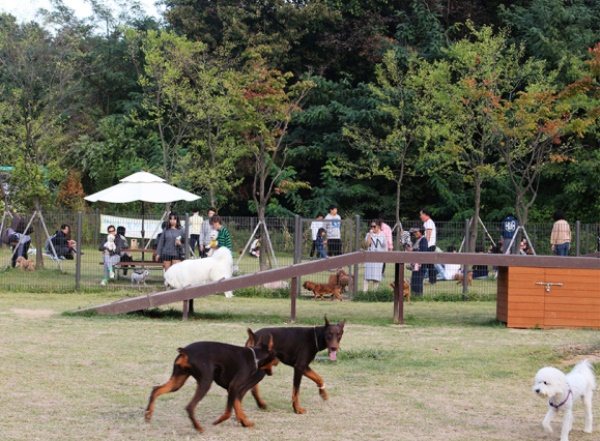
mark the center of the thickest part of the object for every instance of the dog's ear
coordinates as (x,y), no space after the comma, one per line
(342,323)
(251,338)
(326,321)
(268,346)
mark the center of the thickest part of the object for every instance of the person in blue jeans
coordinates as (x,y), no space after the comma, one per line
(560,238)
(320,244)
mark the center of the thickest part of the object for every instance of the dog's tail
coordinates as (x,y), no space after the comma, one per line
(586,369)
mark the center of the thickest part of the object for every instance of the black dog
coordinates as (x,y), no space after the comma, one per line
(234,368)
(297,347)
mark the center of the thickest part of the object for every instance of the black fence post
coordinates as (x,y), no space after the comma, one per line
(356,248)
(577,238)
(466,267)
(78,254)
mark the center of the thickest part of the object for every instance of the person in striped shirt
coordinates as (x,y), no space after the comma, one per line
(223,239)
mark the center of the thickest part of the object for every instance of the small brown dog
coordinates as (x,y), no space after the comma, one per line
(341,278)
(406,290)
(25,264)
(319,289)
(460,277)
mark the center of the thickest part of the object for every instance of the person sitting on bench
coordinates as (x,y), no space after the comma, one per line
(63,245)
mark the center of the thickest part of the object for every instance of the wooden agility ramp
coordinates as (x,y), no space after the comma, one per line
(296,271)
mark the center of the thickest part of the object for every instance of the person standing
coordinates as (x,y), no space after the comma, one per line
(375,240)
(387,230)
(195,229)
(125,257)
(418,273)
(508,228)
(205,232)
(315,226)
(169,245)
(111,253)
(431,237)
(560,238)
(334,241)
(320,243)
(223,239)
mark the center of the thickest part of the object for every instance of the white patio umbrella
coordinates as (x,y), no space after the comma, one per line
(145,187)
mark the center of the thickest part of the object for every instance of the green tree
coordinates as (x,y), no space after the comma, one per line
(457,97)
(540,126)
(267,104)
(40,78)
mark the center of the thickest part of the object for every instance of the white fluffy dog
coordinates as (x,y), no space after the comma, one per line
(200,271)
(562,391)
(139,277)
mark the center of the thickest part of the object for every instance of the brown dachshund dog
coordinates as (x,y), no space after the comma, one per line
(460,277)
(319,289)
(341,278)
(236,369)
(297,347)
(406,290)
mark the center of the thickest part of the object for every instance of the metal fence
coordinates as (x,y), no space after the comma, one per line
(287,241)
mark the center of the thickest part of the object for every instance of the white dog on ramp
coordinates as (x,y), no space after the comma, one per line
(200,271)
(562,391)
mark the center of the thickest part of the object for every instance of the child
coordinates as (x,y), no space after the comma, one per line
(255,248)
(320,243)
(314,227)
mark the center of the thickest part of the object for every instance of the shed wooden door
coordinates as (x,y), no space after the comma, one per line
(549,298)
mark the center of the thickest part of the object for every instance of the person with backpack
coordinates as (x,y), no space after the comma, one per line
(508,228)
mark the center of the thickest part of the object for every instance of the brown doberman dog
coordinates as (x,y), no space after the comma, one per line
(234,368)
(297,347)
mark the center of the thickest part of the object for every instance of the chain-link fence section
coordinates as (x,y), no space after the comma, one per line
(257,246)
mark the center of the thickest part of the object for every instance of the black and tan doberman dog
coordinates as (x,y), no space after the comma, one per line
(297,347)
(234,368)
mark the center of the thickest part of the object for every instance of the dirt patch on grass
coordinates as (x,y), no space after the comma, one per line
(577,353)
(33,313)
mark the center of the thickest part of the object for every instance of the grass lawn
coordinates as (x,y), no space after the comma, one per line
(451,372)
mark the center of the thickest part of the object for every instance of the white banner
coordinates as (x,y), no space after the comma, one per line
(133,227)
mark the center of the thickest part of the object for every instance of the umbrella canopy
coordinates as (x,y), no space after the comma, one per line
(142,186)
(145,187)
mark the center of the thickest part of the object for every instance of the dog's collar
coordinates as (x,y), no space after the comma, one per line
(254,355)
(316,340)
(557,406)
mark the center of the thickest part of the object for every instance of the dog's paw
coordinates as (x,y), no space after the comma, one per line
(548,428)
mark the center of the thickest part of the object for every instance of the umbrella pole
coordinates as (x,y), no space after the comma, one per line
(143,232)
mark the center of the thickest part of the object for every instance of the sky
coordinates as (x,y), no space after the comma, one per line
(25,10)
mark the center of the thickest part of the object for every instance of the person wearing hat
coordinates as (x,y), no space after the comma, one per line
(332,226)
(419,270)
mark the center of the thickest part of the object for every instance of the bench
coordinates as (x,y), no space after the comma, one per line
(149,265)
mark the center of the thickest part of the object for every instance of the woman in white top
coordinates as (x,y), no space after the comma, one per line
(374,241)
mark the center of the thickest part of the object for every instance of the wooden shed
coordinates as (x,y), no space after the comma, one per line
(530,297)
